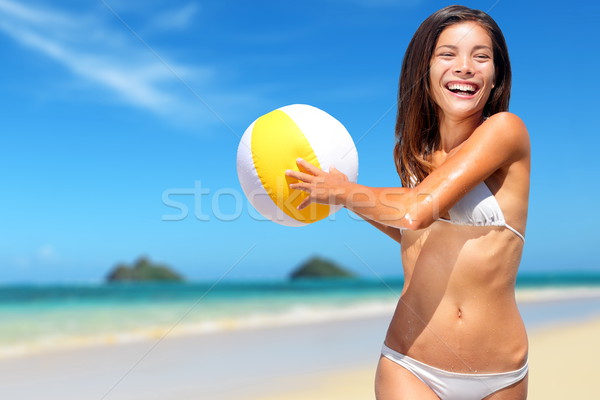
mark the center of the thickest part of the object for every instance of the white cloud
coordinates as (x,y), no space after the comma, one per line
(179,18)
(24,13)
(114,59)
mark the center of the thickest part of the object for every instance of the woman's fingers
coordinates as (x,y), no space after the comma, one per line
(304,203)
(311,171)
(301,176)
(300,186)
(313,181)
(308,166)
(305,187)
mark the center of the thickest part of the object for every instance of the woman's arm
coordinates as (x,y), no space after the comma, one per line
(393,233)
(498,142)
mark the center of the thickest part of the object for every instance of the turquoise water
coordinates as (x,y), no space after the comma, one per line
(44,317)
(36,318)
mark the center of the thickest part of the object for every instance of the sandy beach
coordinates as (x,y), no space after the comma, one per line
(236,364)
(326,360)
(562,366)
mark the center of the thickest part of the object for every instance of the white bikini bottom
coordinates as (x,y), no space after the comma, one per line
(456,386)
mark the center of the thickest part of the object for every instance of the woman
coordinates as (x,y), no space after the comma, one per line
(460,216)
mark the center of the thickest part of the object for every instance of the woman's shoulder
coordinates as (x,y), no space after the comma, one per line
(507,121)
(506,130)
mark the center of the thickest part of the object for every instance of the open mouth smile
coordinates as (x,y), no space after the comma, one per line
(463,89)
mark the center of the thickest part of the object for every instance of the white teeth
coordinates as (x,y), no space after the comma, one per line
(462,87)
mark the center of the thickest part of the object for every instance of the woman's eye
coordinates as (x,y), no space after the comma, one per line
(482,56)
(446,54)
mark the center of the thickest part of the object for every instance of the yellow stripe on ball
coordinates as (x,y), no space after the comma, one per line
(279,152)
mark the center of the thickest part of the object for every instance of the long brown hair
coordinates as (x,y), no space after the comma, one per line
(417,129)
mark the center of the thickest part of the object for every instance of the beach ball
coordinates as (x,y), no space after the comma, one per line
(271,145)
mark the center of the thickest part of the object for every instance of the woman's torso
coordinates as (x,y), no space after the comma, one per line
(458,311)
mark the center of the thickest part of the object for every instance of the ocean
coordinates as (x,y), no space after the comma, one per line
(38,318)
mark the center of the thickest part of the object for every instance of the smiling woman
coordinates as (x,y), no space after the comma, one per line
(477,45)
(464,71)
(464,162)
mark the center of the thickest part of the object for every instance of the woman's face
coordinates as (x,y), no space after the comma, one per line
(462,73)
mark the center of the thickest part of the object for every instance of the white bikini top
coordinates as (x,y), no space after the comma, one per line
(479,207)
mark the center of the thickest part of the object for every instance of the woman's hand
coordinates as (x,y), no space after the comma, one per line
(320,186)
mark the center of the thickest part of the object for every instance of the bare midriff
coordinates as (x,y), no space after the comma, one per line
(458,310)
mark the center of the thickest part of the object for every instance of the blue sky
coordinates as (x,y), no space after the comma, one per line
(108,106)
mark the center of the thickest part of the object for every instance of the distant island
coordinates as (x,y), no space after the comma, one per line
(143,271)
(318,267)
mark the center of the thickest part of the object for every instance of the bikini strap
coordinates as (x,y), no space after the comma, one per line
(516,232)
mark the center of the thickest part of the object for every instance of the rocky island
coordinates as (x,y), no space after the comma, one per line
(318,267)
(143,270)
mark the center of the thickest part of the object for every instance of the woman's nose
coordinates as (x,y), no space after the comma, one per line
(463,66)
